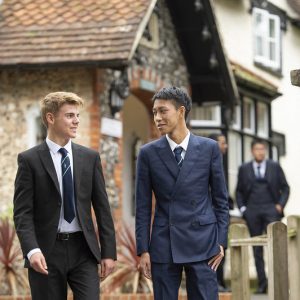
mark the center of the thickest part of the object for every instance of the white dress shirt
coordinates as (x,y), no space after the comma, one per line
(63,225)
(262,170)
(183,144)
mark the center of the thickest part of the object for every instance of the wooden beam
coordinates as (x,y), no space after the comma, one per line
(295,77)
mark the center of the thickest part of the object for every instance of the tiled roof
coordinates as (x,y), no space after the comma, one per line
(70,31)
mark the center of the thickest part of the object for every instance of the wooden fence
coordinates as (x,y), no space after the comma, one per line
(283,252)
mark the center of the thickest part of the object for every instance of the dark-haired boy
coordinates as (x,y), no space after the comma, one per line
(190,224)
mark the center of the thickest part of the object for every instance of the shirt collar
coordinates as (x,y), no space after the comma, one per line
(54,148)
(183,144)
(256,164)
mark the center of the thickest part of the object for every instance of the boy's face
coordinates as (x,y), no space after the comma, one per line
(65,122)
(259,152)
(222,144)
(167,116)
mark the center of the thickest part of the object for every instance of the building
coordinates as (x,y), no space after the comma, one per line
(116,54)
(262,40)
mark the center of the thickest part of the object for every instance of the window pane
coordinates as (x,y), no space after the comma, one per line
(234,160)
(247,148)
(205,115)
(258,19)
(272,28)
(262,120)
(272,51)
(248,115)
(259,46)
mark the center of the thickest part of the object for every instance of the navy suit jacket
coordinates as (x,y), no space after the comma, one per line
(191,213)
(278,186)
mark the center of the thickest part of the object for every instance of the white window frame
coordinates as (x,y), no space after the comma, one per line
(216,122)
(263,32)
(237,124)
(32,114)
(251,129)
(261,133)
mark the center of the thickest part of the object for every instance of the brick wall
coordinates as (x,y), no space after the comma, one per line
(223,296)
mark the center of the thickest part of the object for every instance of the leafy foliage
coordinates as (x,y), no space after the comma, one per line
(127,278)
(12,273)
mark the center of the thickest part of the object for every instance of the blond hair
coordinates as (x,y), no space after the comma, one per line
(54,101)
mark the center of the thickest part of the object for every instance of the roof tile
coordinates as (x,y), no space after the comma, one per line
(89,30)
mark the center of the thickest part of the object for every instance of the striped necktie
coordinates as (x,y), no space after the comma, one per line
(178,157)
(68,187)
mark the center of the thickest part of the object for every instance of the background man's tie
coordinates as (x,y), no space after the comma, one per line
(68,187)
(178,157)
(258,172)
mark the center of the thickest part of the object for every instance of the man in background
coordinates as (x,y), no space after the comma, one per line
(262,193)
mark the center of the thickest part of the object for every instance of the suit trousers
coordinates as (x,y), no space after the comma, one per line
(201,281)
(258,218)
(70,262)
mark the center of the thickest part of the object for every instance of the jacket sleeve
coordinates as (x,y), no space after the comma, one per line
(240,190)
(24,206)
(219,195)
(284,188)
(143,203)
(103,214)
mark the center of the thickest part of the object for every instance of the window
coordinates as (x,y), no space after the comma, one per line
(266,38)
(237,118)
(36,130)
(248,116)
(234,160)
(206,116)
(262,120)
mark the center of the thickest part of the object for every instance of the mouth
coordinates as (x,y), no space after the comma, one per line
(160,126)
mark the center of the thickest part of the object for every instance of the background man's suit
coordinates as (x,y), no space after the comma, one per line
(37,202)
(191,213)
(259,196)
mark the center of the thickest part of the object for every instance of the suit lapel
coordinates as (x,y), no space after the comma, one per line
(77,166)
(251,171)
(167,157)
(47,161)
(268,172)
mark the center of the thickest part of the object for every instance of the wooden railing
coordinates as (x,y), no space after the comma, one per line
(283,253)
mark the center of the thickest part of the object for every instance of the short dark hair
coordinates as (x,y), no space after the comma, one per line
(258,141)
(215,136)
(177,95)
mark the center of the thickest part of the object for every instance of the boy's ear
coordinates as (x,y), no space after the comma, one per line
(50,118)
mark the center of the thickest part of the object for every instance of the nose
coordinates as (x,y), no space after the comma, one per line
(76,120)
(157,117)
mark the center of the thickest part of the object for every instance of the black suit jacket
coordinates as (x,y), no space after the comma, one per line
(275,177)
(37,201)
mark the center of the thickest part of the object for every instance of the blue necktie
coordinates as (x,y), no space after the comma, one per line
(178,157)
(68,187)
(258,172)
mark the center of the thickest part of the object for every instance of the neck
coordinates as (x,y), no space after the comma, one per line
(178,135)
(58,139)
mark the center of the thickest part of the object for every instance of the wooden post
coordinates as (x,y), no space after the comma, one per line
(278,261)
(294,256)
(295,77)
(239,264)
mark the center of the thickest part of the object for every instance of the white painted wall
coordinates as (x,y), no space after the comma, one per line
(235,26)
